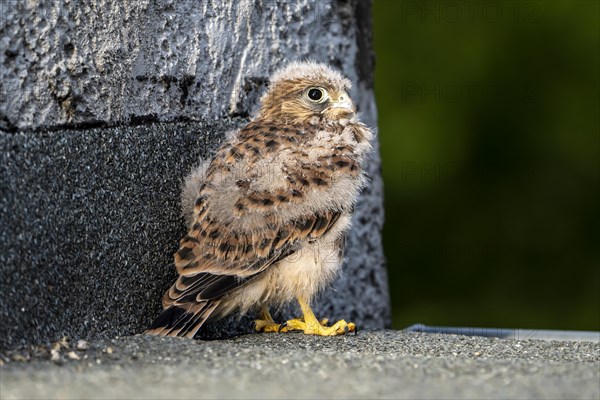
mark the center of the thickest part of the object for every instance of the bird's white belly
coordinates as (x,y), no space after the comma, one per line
(302,274)
(305,273)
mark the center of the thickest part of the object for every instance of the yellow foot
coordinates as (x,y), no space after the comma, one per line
(308,324)
(319,328)
(265,323)
(262,325)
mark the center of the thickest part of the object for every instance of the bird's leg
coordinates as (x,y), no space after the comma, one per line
(310,325)
(265,323)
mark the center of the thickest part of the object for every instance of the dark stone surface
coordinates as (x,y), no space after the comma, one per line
(90,220)
(89,212)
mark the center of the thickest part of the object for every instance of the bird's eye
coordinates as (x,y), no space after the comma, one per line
(316,94)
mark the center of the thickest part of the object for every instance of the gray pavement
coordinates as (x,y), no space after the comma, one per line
(372,364)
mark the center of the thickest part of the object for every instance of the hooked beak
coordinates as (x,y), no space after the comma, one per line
(341,108)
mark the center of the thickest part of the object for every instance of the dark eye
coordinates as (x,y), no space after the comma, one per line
(315,94)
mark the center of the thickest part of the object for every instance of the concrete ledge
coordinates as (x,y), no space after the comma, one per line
(372,364)
(504,333)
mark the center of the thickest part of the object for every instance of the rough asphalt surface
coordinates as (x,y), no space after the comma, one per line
(372,364)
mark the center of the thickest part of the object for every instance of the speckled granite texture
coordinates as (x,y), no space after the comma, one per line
(371,365)
(104,108)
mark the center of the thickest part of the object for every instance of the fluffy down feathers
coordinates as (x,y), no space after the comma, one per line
(267,214)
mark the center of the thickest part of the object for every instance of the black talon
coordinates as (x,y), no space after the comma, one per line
(355,330)
(345,329)
(281,327)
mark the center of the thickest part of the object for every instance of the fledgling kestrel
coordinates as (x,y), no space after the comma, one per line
(267,215)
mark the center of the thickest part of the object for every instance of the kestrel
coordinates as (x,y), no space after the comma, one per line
(267,215)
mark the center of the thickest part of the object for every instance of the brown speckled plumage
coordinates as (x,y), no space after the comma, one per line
(268,213)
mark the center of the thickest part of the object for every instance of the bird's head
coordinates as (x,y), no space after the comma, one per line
(301,91)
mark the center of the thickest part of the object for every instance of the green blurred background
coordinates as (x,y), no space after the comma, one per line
(489,125)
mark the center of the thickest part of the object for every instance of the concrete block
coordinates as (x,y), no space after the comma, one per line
(105,106)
